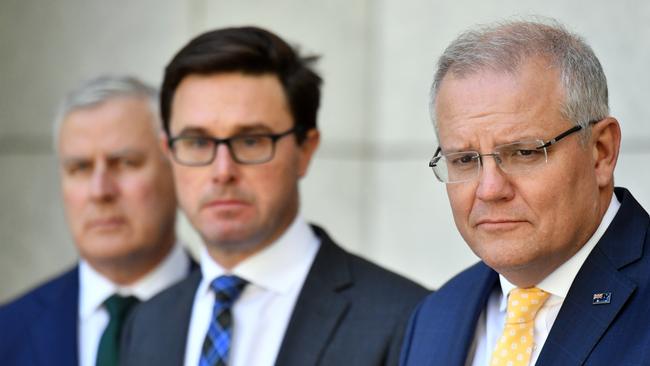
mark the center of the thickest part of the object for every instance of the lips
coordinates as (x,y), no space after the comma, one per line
(106,223)
(227,203)
(498,224)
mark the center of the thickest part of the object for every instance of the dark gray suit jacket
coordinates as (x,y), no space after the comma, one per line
(349,312)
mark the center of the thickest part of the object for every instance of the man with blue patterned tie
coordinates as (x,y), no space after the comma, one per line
(527,153)
(239,108)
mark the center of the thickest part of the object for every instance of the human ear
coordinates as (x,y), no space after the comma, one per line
(307,149)
(605,145)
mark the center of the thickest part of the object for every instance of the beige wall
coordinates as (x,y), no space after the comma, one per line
(369,185)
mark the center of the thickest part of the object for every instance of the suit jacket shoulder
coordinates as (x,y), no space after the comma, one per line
(442,328)
(349,311)
(156,330)
(28,324)
(615,332)
(584,332)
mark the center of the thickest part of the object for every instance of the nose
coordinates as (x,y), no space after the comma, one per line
(102,184)
(494,184)
(224,168)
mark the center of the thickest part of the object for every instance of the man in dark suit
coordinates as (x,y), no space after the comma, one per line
(239,108)
(527,152)
(120,205)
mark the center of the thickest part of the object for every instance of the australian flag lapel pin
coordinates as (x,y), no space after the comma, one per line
(601,298)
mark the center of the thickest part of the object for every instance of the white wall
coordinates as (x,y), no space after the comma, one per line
(369,185)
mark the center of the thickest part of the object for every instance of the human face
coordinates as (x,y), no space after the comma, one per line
(524,226)
(117,184)
(238,209)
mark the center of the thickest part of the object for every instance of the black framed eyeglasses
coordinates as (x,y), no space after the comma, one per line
(198,150)
(512,158)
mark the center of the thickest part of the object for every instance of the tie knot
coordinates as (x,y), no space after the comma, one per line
(524,303)
(227,288)
(118,306)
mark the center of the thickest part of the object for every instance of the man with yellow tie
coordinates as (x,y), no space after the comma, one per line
(527,151)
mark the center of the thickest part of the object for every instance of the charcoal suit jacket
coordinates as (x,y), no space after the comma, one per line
(349,312)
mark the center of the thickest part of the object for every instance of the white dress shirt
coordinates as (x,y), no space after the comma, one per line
(94,289)
(492,320)
(275,277)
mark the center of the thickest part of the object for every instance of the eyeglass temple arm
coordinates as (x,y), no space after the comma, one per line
(431,162)
(561,136)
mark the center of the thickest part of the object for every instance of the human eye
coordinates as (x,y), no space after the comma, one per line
(461,160)
(251,140)
(194,142)
(129,162)
(78,168)
(525,152)
(521,150)
(521,155)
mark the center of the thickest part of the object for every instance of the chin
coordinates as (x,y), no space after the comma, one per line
(232,238)
(233,244)
(522,265)
(504,254)
(108,257)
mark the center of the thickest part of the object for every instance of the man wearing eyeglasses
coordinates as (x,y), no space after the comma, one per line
(527,153)
(239,109)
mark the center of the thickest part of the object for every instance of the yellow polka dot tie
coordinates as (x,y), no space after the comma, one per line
(515,346)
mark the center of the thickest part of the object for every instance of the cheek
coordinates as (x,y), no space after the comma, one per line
(552,196)
(273,186)
(143,197)
(188,185)
(74,199)
(461,199)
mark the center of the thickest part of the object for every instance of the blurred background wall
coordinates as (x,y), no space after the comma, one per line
(369,184)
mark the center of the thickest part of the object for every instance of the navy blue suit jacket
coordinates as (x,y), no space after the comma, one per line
(40,328)
(442,328)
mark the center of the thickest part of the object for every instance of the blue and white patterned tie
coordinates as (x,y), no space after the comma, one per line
(217,341)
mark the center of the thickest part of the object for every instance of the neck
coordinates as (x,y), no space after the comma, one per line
(229,254)
(534,273)
(130,269)
(229,260)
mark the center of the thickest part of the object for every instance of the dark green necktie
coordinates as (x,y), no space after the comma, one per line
(109,346)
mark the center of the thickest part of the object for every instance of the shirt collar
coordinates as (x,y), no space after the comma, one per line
(275,268)
(95,288)
(559,281)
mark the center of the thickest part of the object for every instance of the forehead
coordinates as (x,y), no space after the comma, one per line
(500,106)
(116,124)
(224,103)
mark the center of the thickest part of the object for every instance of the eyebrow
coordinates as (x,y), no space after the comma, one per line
(72,161)
(457,148)
(519,137)
(241,130)
(128,152)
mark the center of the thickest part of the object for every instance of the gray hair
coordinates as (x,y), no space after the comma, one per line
(100,89)
(505,46)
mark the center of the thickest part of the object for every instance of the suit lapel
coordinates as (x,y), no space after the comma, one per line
(319,308)
(177,322)
(454,349)
(54,334)
(580,323)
